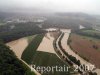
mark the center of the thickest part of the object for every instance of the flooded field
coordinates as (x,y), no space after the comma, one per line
(18,46)
(71,52)
(47,44)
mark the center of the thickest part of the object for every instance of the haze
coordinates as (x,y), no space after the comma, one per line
(87,6)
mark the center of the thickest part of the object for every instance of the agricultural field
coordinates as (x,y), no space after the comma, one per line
(39,49)
(86,47)
(92,31)
(30,50)
(49,37)
(47,42)
(49,59)
(18,46)
(89,32)
(30,38)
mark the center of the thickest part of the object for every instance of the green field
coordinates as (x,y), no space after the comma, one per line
(29,52)
(91,31)
(49,59)
(90,34)
(38,58)
(89,38)
(30,38)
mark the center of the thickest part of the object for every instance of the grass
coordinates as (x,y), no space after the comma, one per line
(29,52)
(30,38)
(91,31)
(89,38)
(49,59)
(92,35)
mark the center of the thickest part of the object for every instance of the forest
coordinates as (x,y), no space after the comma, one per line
(13,31)
(10,64)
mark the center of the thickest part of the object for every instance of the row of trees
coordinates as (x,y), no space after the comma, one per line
(72,58)
(89,34)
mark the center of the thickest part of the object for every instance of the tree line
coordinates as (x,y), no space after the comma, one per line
(15,31)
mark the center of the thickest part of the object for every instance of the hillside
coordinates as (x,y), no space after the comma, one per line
(10,64)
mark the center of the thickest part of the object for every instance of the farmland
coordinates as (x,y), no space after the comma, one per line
(46,55)
(89,32)
(29,52)
(40,50)
(47,42)
(49,33)
(49,59)
(87,48)
(18,46)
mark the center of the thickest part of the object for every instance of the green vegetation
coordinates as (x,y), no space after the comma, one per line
(7,33)
(59,53)
(89,32)
(72,58)
(88,37)
(10,64)
(29,52)
(30,38)
(49,59)
(92,73)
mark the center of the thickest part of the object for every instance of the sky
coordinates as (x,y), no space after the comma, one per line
(87,6)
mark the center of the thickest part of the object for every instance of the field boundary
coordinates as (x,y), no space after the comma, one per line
(30,50)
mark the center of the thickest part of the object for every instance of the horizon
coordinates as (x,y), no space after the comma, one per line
(51,6)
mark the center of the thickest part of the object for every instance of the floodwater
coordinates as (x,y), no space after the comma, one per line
(18,46)
(47,44)
(71,52)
